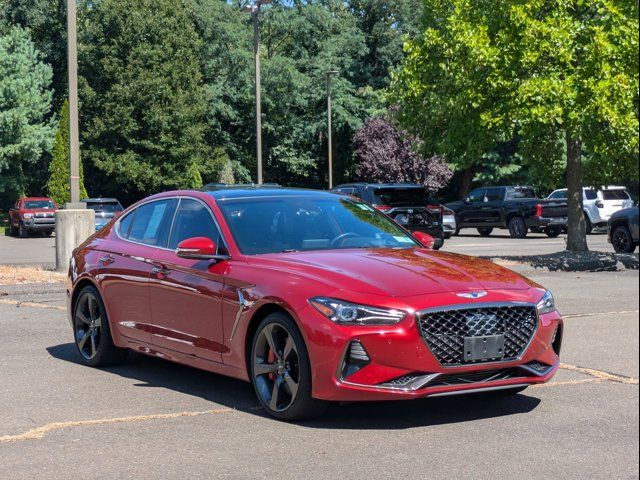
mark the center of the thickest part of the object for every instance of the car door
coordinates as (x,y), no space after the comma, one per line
(125,266)
(470,209)
(186,295)
(490,209)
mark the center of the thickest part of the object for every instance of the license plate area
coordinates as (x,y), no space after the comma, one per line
(487,348)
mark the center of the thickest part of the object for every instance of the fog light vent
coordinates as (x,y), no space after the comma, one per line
(556,343)
(355,359)
(538,367)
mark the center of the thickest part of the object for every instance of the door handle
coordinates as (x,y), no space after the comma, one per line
(160,270)
(107,259)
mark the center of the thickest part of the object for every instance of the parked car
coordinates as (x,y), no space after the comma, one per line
(449,225)
(623,230)
(106,209)
(310,296)
(514,208)
(32,214)
(408,204)
(599,204)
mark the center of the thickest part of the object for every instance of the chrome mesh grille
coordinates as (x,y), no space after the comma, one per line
(445,331)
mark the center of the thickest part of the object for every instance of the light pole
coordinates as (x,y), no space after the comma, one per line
(74,136)
(254,10)
(330,75)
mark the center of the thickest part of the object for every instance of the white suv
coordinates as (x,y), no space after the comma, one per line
(600,204)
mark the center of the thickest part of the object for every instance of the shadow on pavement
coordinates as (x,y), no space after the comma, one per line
(235,394)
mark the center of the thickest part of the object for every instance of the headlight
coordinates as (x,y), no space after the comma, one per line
(27,215)
(547,304)
(346,313)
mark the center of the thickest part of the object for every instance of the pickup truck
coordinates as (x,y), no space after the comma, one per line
(514,208)
(32,214)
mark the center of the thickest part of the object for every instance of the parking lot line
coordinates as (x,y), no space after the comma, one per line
(612,377)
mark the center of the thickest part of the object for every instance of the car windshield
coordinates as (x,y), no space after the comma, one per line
(105,207)
(402,197)
(38,204)
(289,224)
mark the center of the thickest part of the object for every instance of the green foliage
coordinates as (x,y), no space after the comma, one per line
(58,186)
(143,103)
(25,101)
(484,72)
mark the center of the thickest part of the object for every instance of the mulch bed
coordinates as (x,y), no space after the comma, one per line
(576,261)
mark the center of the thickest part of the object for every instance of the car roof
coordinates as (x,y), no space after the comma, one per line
(36,198)
(380,185)
(100,200)
(262,191)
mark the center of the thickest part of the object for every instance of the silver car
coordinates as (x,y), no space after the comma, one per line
(106,209)
(449,225)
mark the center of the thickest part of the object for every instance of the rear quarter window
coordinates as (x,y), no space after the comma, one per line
(615,195)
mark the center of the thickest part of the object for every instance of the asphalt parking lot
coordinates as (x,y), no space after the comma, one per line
(149,418)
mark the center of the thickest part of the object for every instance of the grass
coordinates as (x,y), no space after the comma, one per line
(4,223)
(16,275)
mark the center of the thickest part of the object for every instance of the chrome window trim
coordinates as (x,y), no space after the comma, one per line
(472,306)
(178,198)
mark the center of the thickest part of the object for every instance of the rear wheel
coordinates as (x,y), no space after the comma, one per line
(92,333)
(485,231)
(622,240)
(553,232)
(281,370)
(517,227)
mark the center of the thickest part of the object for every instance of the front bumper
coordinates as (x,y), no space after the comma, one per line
(399,353)
(39,224)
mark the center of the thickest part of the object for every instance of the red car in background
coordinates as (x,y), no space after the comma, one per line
(311,296)
(33,214)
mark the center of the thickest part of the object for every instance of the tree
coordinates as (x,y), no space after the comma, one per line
(561,75)
(385,154)
(58,186)
(25,101)
(142,99)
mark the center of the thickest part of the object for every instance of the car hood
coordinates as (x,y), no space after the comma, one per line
(397,273)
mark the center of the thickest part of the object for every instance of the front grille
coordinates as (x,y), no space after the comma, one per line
(445,331)
(475,377)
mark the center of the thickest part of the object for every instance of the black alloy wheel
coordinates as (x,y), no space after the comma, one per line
(92,333)
(622,241)
(517,227)
(485,231)
(280,370)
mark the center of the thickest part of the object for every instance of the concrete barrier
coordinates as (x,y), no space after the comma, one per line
(73,226)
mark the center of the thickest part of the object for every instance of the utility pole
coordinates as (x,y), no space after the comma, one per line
(75,223)
(74,135)
(330,75)
(254,10)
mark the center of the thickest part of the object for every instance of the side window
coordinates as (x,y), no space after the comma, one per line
(193,219)
(477,195)
(590,194)
(494,194)
(559,195)
(124,225)
(152,222)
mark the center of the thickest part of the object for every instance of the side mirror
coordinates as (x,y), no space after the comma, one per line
(199,248)
(425,239)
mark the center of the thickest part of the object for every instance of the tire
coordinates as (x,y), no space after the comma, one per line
(47,233)
(13,231)
(588,224)
(485,231)
(517,227)
(622,240)
(92,333)
(457,232)
(275,372)
(553,232)
(447,236)
(22,231)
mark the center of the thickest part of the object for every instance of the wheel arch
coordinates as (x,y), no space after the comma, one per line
(77,288)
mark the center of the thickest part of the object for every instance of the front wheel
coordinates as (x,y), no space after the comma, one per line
(92,333)
(281,370)
(22,230)
(485,231)
(622,240)
(517,227)
(588,224)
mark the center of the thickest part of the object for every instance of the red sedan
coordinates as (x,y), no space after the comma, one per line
(311,296)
